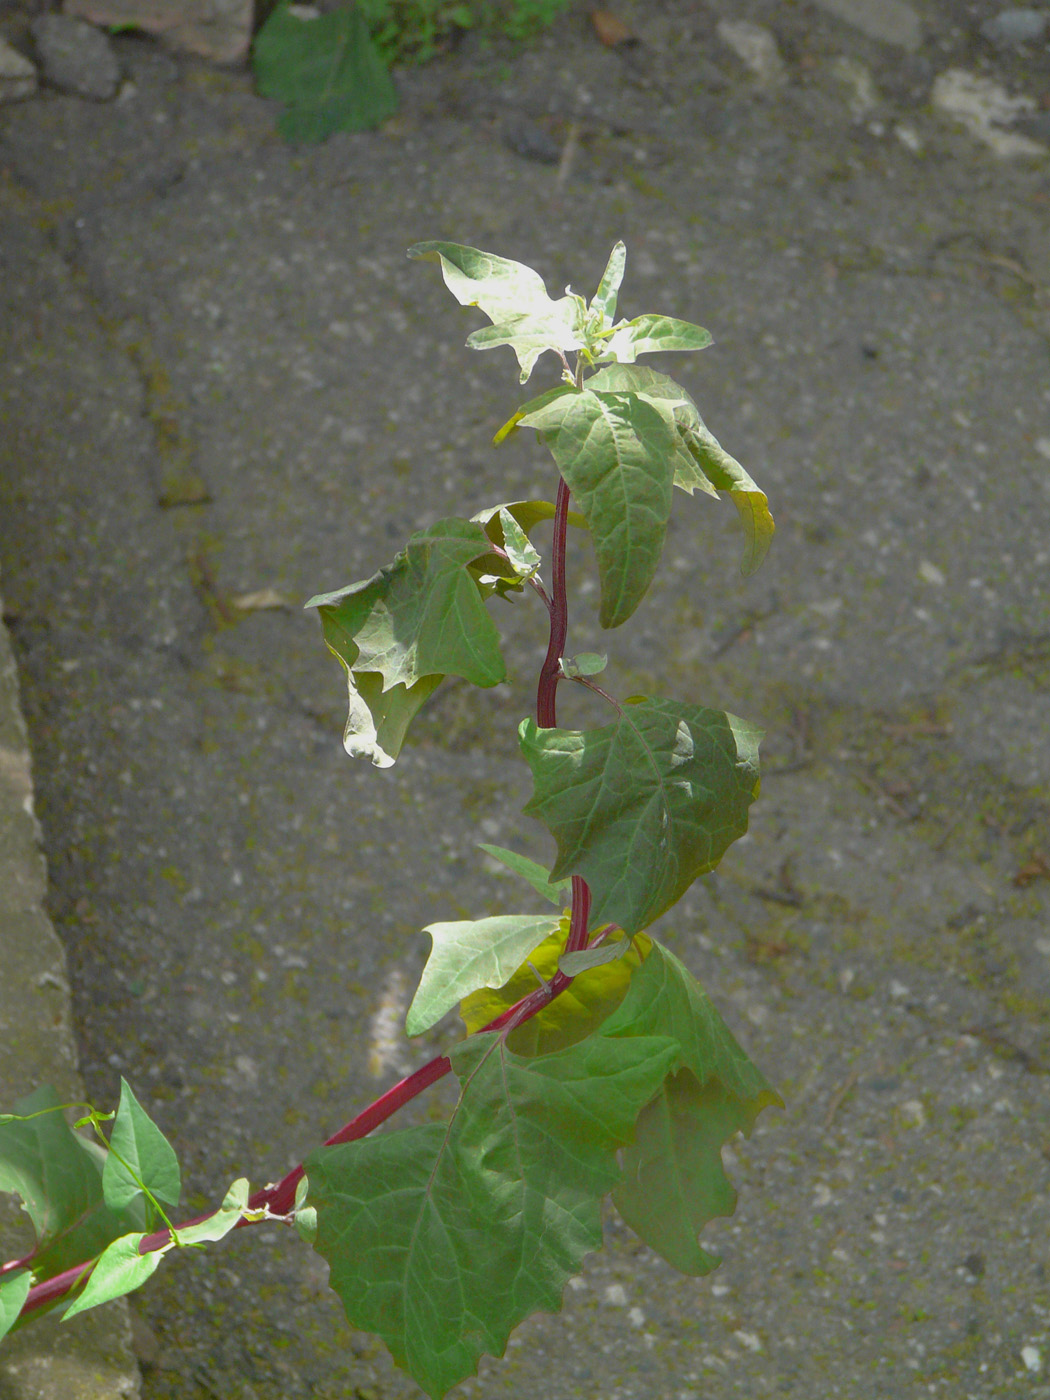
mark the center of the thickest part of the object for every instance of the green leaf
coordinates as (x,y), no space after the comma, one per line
(472,953)
(305,1215)
(533,406)
(529,336)
(120,1269)
(219,1225)
(726,474)
(648,334)
(442,1238)
(377,720)
(604,299)
(616,453)
(147,1158)
(584,663)
(14,1290)
(700,461)
(529,870)
(400,632)
(571,1017)
(527,514)
(572,964)
(326,70)
(672,402)
(519,548)
(512,296)
(673,1182)
(59,1178)
(644,805)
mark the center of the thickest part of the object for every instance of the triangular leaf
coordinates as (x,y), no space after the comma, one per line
(442,1238)
(726,474)
(649,334)
(511,295)
(674,1182)
(120,1269)
(520,549)
(670,400)
(400,632)
(472,953)
(138,1152)
(14,1290)
(327,70)
(604,299)
(616,454)
(377,720)
(578,1012)
(529,870)
(58,1175)
(225,1219)
(700,460)
(644,805)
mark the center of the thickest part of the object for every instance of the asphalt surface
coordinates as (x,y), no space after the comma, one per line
(221,376)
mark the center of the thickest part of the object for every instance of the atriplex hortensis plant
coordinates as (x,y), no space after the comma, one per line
(442,1237)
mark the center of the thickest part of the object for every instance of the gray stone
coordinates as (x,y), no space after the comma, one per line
(756,48)
(91,1358)
(889,21)
(76,57)
(17,74)
(1016,27)
(217,29)
(987,111)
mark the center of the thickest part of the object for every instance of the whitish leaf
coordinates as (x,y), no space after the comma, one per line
(14,1290)
(377,720)
(519,548)
(138,1152)
(584,663)
(641,807)
(512,296)
(700,461)
(472,953)
(673,1181)
(616,453)
(399,633)
(604,299)
(646,335)
(120,1269)
(441,1238)
(326,70)
(536,875)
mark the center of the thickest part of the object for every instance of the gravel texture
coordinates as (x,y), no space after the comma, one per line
(223,376)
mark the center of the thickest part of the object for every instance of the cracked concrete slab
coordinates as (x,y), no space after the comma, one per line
(242,905)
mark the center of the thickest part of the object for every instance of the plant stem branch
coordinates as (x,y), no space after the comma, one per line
(550,671)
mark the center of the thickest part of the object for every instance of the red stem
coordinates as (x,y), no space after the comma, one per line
(279,1199)
(550,672)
